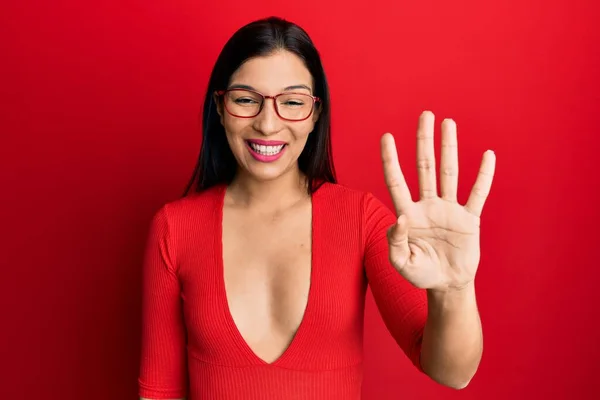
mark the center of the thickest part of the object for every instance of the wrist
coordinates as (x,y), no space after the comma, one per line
(452,295)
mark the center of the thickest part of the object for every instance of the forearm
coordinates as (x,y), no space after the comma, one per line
(453,340)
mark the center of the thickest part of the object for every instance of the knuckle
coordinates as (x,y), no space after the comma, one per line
(426,192)
(393,181)
(480,192)
(425,164)
(449,171)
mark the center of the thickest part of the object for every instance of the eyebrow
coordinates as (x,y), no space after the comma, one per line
(288,88)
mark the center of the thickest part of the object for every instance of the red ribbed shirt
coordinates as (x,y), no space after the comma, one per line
(191,346)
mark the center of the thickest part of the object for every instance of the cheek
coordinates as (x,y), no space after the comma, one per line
(234,129)
(301,132)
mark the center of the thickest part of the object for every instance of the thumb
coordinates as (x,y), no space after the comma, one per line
(398,241)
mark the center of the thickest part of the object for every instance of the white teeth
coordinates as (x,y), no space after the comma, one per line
(266,150)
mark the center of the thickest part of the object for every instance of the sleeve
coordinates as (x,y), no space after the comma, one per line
(402,306)
(163,372)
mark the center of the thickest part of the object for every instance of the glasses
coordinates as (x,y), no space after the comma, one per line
(244,103)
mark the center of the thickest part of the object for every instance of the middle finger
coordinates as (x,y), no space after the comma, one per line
(426,156)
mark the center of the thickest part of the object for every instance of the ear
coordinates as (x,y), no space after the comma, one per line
(219,105)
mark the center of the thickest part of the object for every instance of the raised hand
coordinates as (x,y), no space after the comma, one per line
(435,241)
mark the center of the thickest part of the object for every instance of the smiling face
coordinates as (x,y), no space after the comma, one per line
(267,146)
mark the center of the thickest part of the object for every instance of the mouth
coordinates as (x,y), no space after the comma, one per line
(265,151)
(264,148)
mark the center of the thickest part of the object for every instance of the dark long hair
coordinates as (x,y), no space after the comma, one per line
(216,163)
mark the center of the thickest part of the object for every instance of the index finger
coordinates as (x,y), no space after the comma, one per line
(394,179)
(483,184)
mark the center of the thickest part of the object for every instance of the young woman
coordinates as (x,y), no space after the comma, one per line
(254,282)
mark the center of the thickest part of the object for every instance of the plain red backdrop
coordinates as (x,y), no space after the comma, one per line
(99,125)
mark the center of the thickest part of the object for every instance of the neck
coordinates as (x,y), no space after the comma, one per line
(279,193)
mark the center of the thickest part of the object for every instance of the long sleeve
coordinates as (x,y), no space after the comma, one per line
(163,352)
(403,307)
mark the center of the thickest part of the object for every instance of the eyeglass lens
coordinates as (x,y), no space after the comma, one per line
(293,106)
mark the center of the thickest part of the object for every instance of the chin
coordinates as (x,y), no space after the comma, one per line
(266,173)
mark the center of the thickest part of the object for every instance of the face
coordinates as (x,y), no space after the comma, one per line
(267,146)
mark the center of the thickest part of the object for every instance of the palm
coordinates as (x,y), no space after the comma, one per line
(435,244)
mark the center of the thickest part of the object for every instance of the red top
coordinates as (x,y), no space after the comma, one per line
(190,345)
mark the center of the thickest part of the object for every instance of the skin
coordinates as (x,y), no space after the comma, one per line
(435,246)
(267,231)
(270,76)
(267,214)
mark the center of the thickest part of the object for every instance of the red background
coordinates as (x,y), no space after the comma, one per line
(99,112)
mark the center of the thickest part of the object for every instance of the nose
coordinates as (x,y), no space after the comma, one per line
(267,121)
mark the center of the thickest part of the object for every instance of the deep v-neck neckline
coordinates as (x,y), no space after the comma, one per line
(295,345)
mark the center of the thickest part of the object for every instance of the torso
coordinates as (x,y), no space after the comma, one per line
(235,290)
(267,271)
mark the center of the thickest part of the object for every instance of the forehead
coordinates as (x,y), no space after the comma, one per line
(270,74)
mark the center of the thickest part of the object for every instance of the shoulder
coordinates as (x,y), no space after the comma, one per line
(355,209)
(193,209)
(340,193)
(336,195)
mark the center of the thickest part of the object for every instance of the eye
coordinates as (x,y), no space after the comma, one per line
(245,101)
(294,103)
(295,100)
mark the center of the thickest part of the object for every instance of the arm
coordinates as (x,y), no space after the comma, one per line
(439,331)
(402,306)
(163,372)
(434,245)
(453,340)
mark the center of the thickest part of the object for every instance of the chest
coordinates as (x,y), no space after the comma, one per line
(275,246)
(267,265)
(277,283)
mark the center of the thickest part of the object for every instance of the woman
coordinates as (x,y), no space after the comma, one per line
(254,284)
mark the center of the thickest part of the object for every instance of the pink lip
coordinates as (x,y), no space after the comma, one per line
(262,157)
(266,142)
